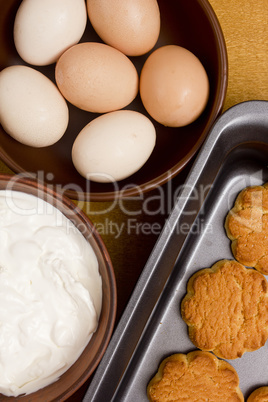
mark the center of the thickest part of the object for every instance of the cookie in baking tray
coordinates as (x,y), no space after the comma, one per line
(247,227)
(259,395)
(226,309)
(196,376)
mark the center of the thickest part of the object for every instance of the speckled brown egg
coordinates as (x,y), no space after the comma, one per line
(96,77)
(133,27)
(174,86)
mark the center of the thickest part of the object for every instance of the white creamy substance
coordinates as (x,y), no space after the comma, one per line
(50,293)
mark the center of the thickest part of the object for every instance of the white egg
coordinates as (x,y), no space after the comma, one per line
(113,146)
(32,109)
(44,29)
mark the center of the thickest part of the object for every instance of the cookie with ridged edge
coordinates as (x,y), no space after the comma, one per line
(259,395)
(226,309)
(246,226)
(196,376)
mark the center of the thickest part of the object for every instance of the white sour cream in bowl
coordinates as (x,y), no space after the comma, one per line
(50,293)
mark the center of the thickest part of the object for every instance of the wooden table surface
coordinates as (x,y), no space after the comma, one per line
(130,228)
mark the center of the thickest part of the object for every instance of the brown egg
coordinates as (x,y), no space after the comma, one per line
(133,27)
(96,77)
(174,86)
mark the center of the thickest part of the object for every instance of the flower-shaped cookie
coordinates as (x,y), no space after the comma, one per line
(196,376)
(259,395)
(247,227)
(226,309)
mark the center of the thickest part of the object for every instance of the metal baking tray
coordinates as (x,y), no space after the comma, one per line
(234,156)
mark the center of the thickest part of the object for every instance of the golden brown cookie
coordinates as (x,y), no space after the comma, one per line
(259,395)
(247,227)
(226,309)
(196,376)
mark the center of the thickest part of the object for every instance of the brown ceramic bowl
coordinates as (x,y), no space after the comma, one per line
(191,24)
(82,369)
